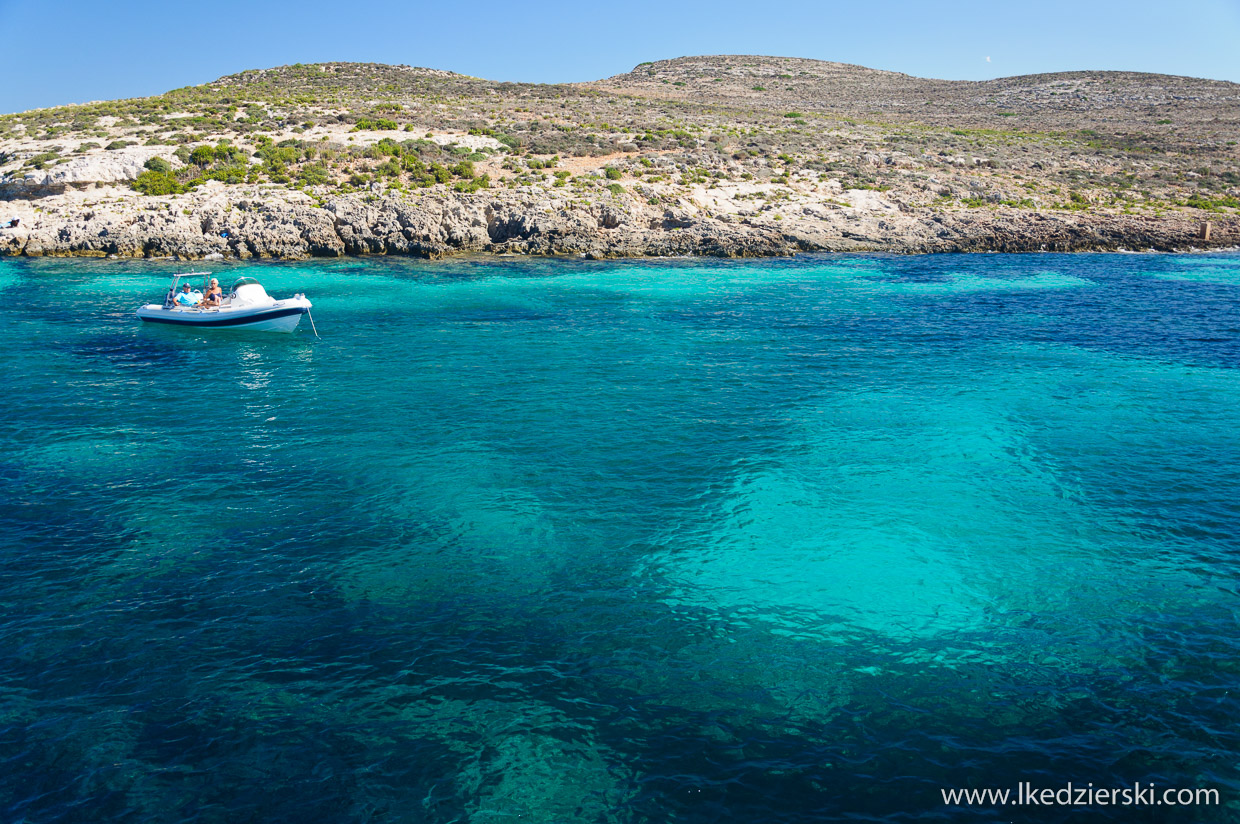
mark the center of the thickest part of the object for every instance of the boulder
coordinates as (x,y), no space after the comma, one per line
(103,168)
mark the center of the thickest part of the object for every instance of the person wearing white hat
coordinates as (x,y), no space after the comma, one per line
(214,294)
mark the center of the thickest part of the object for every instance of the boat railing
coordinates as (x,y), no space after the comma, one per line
(170,299)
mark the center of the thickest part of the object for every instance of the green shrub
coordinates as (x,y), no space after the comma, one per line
(440,173)
(464,169)
(119,144)
(481,182)
(152,182)
(202,156)
(41,160)
(314,175)
(158,164)
(1196,201)
(376,124)
(794,114)
(616,189)
(613,173)
(387,147)
(224,174)
(280,154)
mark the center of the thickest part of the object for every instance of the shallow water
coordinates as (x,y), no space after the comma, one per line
(794,540)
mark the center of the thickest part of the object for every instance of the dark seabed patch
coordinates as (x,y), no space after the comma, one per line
(779,541)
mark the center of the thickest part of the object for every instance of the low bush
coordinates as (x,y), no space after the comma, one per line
(314,175)
(152,182)
(158,164)
(41,160)
(375,124)
(224,174)
(202,155)
(480,182)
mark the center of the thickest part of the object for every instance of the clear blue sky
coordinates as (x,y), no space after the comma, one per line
(58,51)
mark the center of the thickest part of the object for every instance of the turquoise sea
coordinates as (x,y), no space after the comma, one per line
(650,541)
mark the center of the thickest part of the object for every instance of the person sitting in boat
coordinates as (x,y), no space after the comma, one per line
(214,295)
(187,296)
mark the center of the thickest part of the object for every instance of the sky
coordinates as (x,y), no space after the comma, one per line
(67,51)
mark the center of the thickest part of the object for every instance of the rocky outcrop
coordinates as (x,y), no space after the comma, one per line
(1042,232)
(100,169)
(213,223)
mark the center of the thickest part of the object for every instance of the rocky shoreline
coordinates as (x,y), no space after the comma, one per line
(224,223)
(710,156)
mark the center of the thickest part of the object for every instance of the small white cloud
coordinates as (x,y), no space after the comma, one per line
(987,59)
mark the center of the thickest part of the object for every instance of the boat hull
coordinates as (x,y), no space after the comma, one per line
(284,316)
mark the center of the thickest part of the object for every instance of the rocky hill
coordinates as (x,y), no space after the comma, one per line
(723,155)
(1155,109)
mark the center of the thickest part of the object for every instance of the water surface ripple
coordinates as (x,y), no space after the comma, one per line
(568,541)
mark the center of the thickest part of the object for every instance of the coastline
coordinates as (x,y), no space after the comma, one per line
(222,223)
(714,156)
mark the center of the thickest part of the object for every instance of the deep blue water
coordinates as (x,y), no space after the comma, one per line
(695,541)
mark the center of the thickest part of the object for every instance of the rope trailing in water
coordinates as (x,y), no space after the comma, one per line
(316,331)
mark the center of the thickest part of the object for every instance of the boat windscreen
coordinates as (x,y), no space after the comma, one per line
(244,282)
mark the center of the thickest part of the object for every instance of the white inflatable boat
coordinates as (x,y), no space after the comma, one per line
(246,306)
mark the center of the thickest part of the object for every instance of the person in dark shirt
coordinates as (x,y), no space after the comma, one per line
(214,295)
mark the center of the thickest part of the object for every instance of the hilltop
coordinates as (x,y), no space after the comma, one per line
(698,155)
(1156,109)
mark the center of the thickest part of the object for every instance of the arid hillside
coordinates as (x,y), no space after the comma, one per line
(737,154)
(1154,109)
